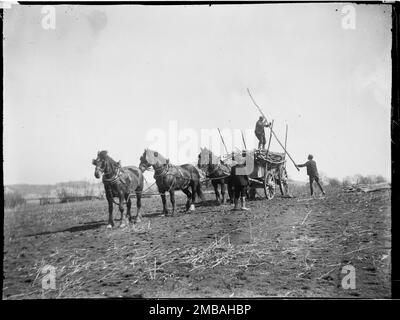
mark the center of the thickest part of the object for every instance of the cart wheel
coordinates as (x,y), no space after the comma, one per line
(283,181)
(269,186)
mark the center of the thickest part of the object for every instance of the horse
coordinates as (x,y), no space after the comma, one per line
(119,182)
(217,171)
(170,178)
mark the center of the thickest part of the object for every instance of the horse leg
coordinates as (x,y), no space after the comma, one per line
(138,206)
(223,192)
(164,202)
(189,197)
(128,208)
(215,185)
(198,190)
(230,191)
(121,209)
(172,199)
(194,188)
(110,213)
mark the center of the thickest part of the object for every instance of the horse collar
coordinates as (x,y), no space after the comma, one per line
(216,167)
(164,170)
(113,179)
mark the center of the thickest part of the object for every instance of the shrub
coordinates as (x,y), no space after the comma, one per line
(334,182)
(380,179)
(360,179)
(63,194)
(347,181)
(13,199)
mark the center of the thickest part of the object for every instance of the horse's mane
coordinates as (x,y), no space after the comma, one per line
(210,155)
(104,156)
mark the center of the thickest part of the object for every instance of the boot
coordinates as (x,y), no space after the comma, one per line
(243,203)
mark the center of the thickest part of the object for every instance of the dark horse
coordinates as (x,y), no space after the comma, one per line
(218,172)
(119,182)
(170,178)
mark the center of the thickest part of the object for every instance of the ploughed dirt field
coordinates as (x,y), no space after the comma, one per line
(285,247)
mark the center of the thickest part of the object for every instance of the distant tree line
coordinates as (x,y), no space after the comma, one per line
(69,190)
(354,180)
(19,194)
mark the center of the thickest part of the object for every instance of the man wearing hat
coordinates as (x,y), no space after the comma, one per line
(259,131)
(312,173)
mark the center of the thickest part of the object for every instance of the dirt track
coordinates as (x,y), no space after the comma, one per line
(282,247)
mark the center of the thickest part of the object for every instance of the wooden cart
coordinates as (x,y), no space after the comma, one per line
(269,171)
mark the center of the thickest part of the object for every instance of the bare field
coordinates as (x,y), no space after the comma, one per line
(282,247)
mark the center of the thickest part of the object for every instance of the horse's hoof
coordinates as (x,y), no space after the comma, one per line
(191,208)
(109,226)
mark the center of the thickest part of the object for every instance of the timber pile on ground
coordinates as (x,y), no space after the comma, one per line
(367,187)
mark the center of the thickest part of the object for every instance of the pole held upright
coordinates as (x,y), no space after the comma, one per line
(262,113)
(223,142)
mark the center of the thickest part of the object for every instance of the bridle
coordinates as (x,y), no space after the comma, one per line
(111,180)
(159,171)
(146,166)
(210,168)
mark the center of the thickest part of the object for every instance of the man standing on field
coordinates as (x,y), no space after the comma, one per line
(312,173)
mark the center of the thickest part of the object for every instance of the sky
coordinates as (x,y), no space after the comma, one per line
(129,77)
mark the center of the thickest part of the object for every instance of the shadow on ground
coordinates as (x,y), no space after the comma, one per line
(84,227)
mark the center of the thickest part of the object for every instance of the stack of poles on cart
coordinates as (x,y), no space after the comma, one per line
(268,169)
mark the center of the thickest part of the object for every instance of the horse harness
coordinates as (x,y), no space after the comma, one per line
(165,172)
(114,179)
(109,182)
(209,174)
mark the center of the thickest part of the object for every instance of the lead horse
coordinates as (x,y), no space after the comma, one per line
(120,182)
(170,178)
(218,172)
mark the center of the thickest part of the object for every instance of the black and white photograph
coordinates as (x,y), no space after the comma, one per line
(197,150)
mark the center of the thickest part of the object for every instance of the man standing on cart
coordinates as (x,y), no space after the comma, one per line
(259,131)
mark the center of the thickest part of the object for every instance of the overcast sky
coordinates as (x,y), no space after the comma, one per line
(107,76)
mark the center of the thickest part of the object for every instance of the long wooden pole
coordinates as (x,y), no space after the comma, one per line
(286,136)
(259,109)
(223,142)
(244,141)
(270,137)
(262,113)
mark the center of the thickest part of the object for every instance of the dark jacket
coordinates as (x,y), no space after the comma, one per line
(239,180)
(260,125)
(311,168)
